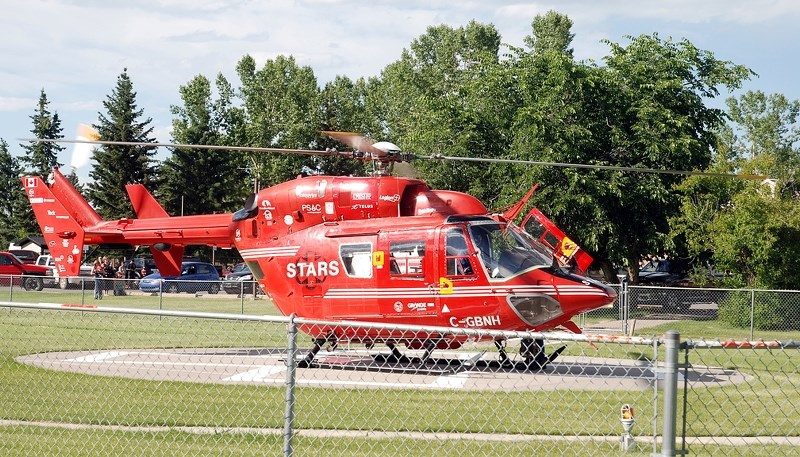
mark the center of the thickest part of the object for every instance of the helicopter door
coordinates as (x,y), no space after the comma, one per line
(458,264)
(405,275)
(354,293)
(564,249)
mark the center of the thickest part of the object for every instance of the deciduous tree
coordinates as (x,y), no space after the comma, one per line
(199,181)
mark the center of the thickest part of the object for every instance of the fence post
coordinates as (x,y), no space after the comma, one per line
(623,303)
(752,311)
(291,366)
(241,294)
(672,344)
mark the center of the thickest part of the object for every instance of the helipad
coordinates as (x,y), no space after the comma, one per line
(362,369)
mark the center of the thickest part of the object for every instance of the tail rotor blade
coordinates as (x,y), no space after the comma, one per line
(82,152)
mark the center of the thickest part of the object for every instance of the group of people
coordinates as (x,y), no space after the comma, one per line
(105,271)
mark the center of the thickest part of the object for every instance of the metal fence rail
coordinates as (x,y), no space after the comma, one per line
(84,380)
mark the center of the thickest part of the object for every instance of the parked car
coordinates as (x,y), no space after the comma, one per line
(664,272)
(194,277)
(25,256)
(240,280)
(30,276)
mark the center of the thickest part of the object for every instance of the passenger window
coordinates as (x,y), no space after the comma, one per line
(357,259)
(406,258)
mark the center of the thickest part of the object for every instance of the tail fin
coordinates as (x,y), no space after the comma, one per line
(147,207)
(144,204)
(62,213)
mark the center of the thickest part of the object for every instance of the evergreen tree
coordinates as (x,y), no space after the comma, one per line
(13,203)
(115,165)
(41,158)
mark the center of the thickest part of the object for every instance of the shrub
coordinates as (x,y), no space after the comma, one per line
(771,311)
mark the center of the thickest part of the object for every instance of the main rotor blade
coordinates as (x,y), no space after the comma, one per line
(596,167)
(400,157)
(331,152)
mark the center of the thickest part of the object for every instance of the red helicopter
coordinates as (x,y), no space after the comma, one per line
(381,248)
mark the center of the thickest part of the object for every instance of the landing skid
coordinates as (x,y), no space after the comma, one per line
(396,362)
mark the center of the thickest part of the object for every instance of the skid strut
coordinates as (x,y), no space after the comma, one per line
(501,348)
(332,342)
(430,345)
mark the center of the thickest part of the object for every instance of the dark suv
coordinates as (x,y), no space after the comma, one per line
(194,277)
(662,272)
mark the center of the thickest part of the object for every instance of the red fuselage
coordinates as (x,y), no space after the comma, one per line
(391,250)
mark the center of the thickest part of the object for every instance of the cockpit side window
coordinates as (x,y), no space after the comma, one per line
(457,254)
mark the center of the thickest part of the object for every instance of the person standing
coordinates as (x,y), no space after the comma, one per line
(99,271)
(130,274)
(108,275)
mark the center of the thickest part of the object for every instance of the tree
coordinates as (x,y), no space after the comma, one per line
(280,103)
(645,108)
(210,179)
(344,108)
(551,33)
(751,228)
(769,127)
(448,95)
(757,239)
(14,206)
(41,158)
(117,166)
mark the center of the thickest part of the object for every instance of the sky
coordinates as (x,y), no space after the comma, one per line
(75,50)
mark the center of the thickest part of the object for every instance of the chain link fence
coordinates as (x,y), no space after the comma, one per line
(740,398)
(705,312)
(112,380)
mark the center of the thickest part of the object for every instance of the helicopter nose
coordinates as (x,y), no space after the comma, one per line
(611,293)
(601,295)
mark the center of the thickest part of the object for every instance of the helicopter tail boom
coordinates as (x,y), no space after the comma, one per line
(68,222)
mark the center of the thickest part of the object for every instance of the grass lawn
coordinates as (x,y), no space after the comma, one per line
(34,394)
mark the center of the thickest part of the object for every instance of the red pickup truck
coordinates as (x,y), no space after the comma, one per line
(31,277)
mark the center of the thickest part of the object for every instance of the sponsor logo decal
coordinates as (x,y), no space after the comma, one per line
(311,269)
(390,198)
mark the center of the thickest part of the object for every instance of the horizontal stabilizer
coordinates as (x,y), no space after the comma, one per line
(147,207)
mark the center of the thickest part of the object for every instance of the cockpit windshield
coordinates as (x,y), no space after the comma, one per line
(505,250)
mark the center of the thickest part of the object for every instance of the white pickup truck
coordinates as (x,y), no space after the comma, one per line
(86,277)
